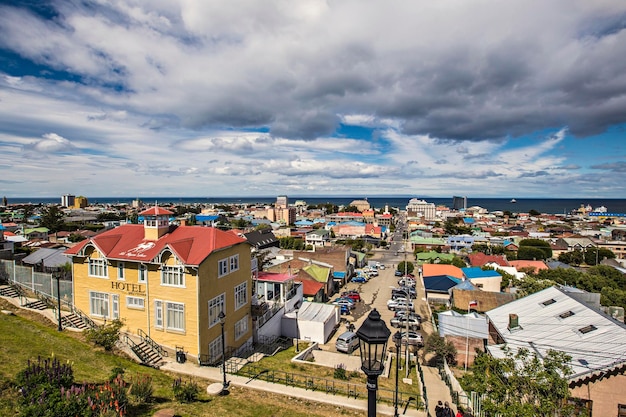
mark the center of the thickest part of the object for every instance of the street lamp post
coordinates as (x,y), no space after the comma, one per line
(222,318)
(397,339)
(373,336)
(57,276)
(297,332)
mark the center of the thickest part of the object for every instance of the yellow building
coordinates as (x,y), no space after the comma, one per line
(169,282)
(80,202)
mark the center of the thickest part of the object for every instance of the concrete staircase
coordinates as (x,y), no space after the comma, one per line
(74,321)
(8,291)
(36,305)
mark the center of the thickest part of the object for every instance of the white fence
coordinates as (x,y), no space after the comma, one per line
(39,282)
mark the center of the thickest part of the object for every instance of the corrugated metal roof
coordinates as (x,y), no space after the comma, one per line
(552,319)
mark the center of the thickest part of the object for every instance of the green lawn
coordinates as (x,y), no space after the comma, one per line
(28,336)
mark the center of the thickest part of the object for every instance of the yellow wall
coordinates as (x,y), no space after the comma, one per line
(195,296)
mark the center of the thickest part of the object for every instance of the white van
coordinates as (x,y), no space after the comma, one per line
(347,342)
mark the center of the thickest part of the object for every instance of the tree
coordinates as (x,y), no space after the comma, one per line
(574,257)
(441,348)
(533,212)
(542,245)
(521,384)
(406,267)
(52,218)
(593,256)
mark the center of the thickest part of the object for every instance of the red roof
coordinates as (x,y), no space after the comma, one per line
(480,259)
(156,211)
(274,276)
(191,244)
(310,287)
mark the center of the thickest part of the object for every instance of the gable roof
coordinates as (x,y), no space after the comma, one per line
(191,244)
(310,286)
(51,258)
(554,319)
(440,283)
(429,270)
(319,273)
(481,259)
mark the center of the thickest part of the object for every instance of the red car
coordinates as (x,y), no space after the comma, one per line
(353,295)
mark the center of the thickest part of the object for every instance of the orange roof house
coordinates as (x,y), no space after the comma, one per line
(431,270)
(536,266)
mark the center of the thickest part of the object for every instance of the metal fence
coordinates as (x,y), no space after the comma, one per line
(329,386)
(39,282)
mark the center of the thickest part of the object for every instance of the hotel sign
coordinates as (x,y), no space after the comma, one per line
(131,289)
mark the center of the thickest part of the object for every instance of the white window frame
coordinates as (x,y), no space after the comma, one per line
(172,276)
(120,271)
(98,268)
(234,263)
(222,267)
(100,299)
(241,295)
(142,273)
(241,327)
(175,316)
(158,314)
(136,303)
(215,348)
(216,305)
(115,306)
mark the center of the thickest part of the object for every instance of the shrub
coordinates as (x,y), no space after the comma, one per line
(185,392)
(141,388)
(340,372)
(105,336)
(115,372)
(48,390)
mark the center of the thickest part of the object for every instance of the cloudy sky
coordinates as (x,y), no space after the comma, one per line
(199,98)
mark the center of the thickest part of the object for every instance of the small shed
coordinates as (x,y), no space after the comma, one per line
(314,322)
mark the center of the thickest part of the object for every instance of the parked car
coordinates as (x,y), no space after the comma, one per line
(413,323)
(373,273)
(353,295)
(403,292)
(400,304)
(344,309)
(413,338)
(381,266)
(406,313)
(347,342)
(398,273)
(344,301)
(358,279)
(406,281)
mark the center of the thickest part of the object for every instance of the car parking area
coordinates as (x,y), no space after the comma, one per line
(374,293)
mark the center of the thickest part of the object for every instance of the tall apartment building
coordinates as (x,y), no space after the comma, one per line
(67,200)
(170,282)
(282,201)
(459,203)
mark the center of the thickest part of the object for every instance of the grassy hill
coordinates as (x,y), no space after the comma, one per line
(27,335)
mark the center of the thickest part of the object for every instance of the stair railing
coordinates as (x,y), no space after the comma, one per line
(89,322)
(154,345)
(137,349)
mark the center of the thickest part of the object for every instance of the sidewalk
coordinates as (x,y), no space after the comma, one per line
(215,374)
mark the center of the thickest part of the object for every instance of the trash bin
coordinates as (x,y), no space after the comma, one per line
(180,356)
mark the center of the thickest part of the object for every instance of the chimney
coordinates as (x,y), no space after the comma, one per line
(183,222)
(513,322)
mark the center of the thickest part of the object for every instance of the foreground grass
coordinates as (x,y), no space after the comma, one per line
(27,335)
